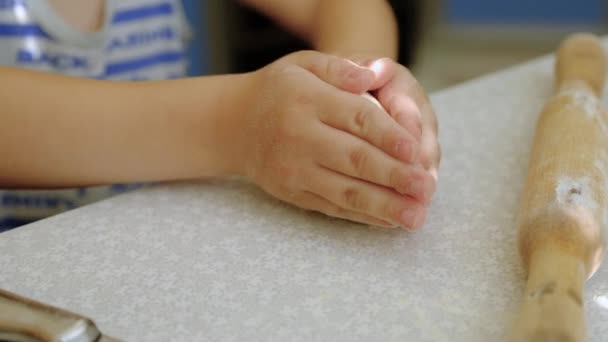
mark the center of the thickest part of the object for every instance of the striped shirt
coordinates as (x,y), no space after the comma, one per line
(139,40)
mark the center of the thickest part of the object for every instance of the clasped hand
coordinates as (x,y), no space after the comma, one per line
(309,138)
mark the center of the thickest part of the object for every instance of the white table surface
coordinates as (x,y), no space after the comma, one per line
(223,261)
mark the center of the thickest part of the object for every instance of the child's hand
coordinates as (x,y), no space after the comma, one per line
(310,139)
(405,100)
(407,103)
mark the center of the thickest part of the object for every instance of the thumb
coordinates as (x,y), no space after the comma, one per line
(339,72)
(384,69)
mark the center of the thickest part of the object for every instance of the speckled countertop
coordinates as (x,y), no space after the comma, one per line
(222,261)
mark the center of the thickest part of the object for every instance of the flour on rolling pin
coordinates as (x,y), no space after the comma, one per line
(575,191)
(582,99)
(579,191)
(586,101)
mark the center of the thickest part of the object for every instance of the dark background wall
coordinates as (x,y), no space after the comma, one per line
(231,38)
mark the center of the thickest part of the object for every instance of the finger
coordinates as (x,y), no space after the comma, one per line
(434,170)
(403,82)
(406,100)
(404,110)
(342,152)
(311,201)
(384,70)
(360,117)
(372,99)
(430,152)
(369,199)
(429,118)
(339,72)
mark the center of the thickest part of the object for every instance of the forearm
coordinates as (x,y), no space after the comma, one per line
(343,27)
(58,131)
(355,27)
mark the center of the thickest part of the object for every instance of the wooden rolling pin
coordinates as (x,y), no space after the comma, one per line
(564,204)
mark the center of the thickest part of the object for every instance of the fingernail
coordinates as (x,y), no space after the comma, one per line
(358,73)
(423,187)
(407,151)
(409,218)
(417,188)
(353,74)
(416,130)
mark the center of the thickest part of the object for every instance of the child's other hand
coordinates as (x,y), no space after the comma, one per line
(407,103)
(310,139)
(405,100)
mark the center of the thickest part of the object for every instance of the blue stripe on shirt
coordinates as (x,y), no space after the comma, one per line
(143,62)
(11,4)
(15,200)
(21,30)
(138,13)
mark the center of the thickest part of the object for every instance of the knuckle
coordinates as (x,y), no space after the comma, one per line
(343,68)
(358,160)
(332,67)
(354,199)
(395,141)
(282,70)
(316,62)
(362,120)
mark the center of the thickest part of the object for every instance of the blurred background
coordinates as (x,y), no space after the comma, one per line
(444,42)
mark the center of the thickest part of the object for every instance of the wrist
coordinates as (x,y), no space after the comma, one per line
(225,131)
(193,127)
